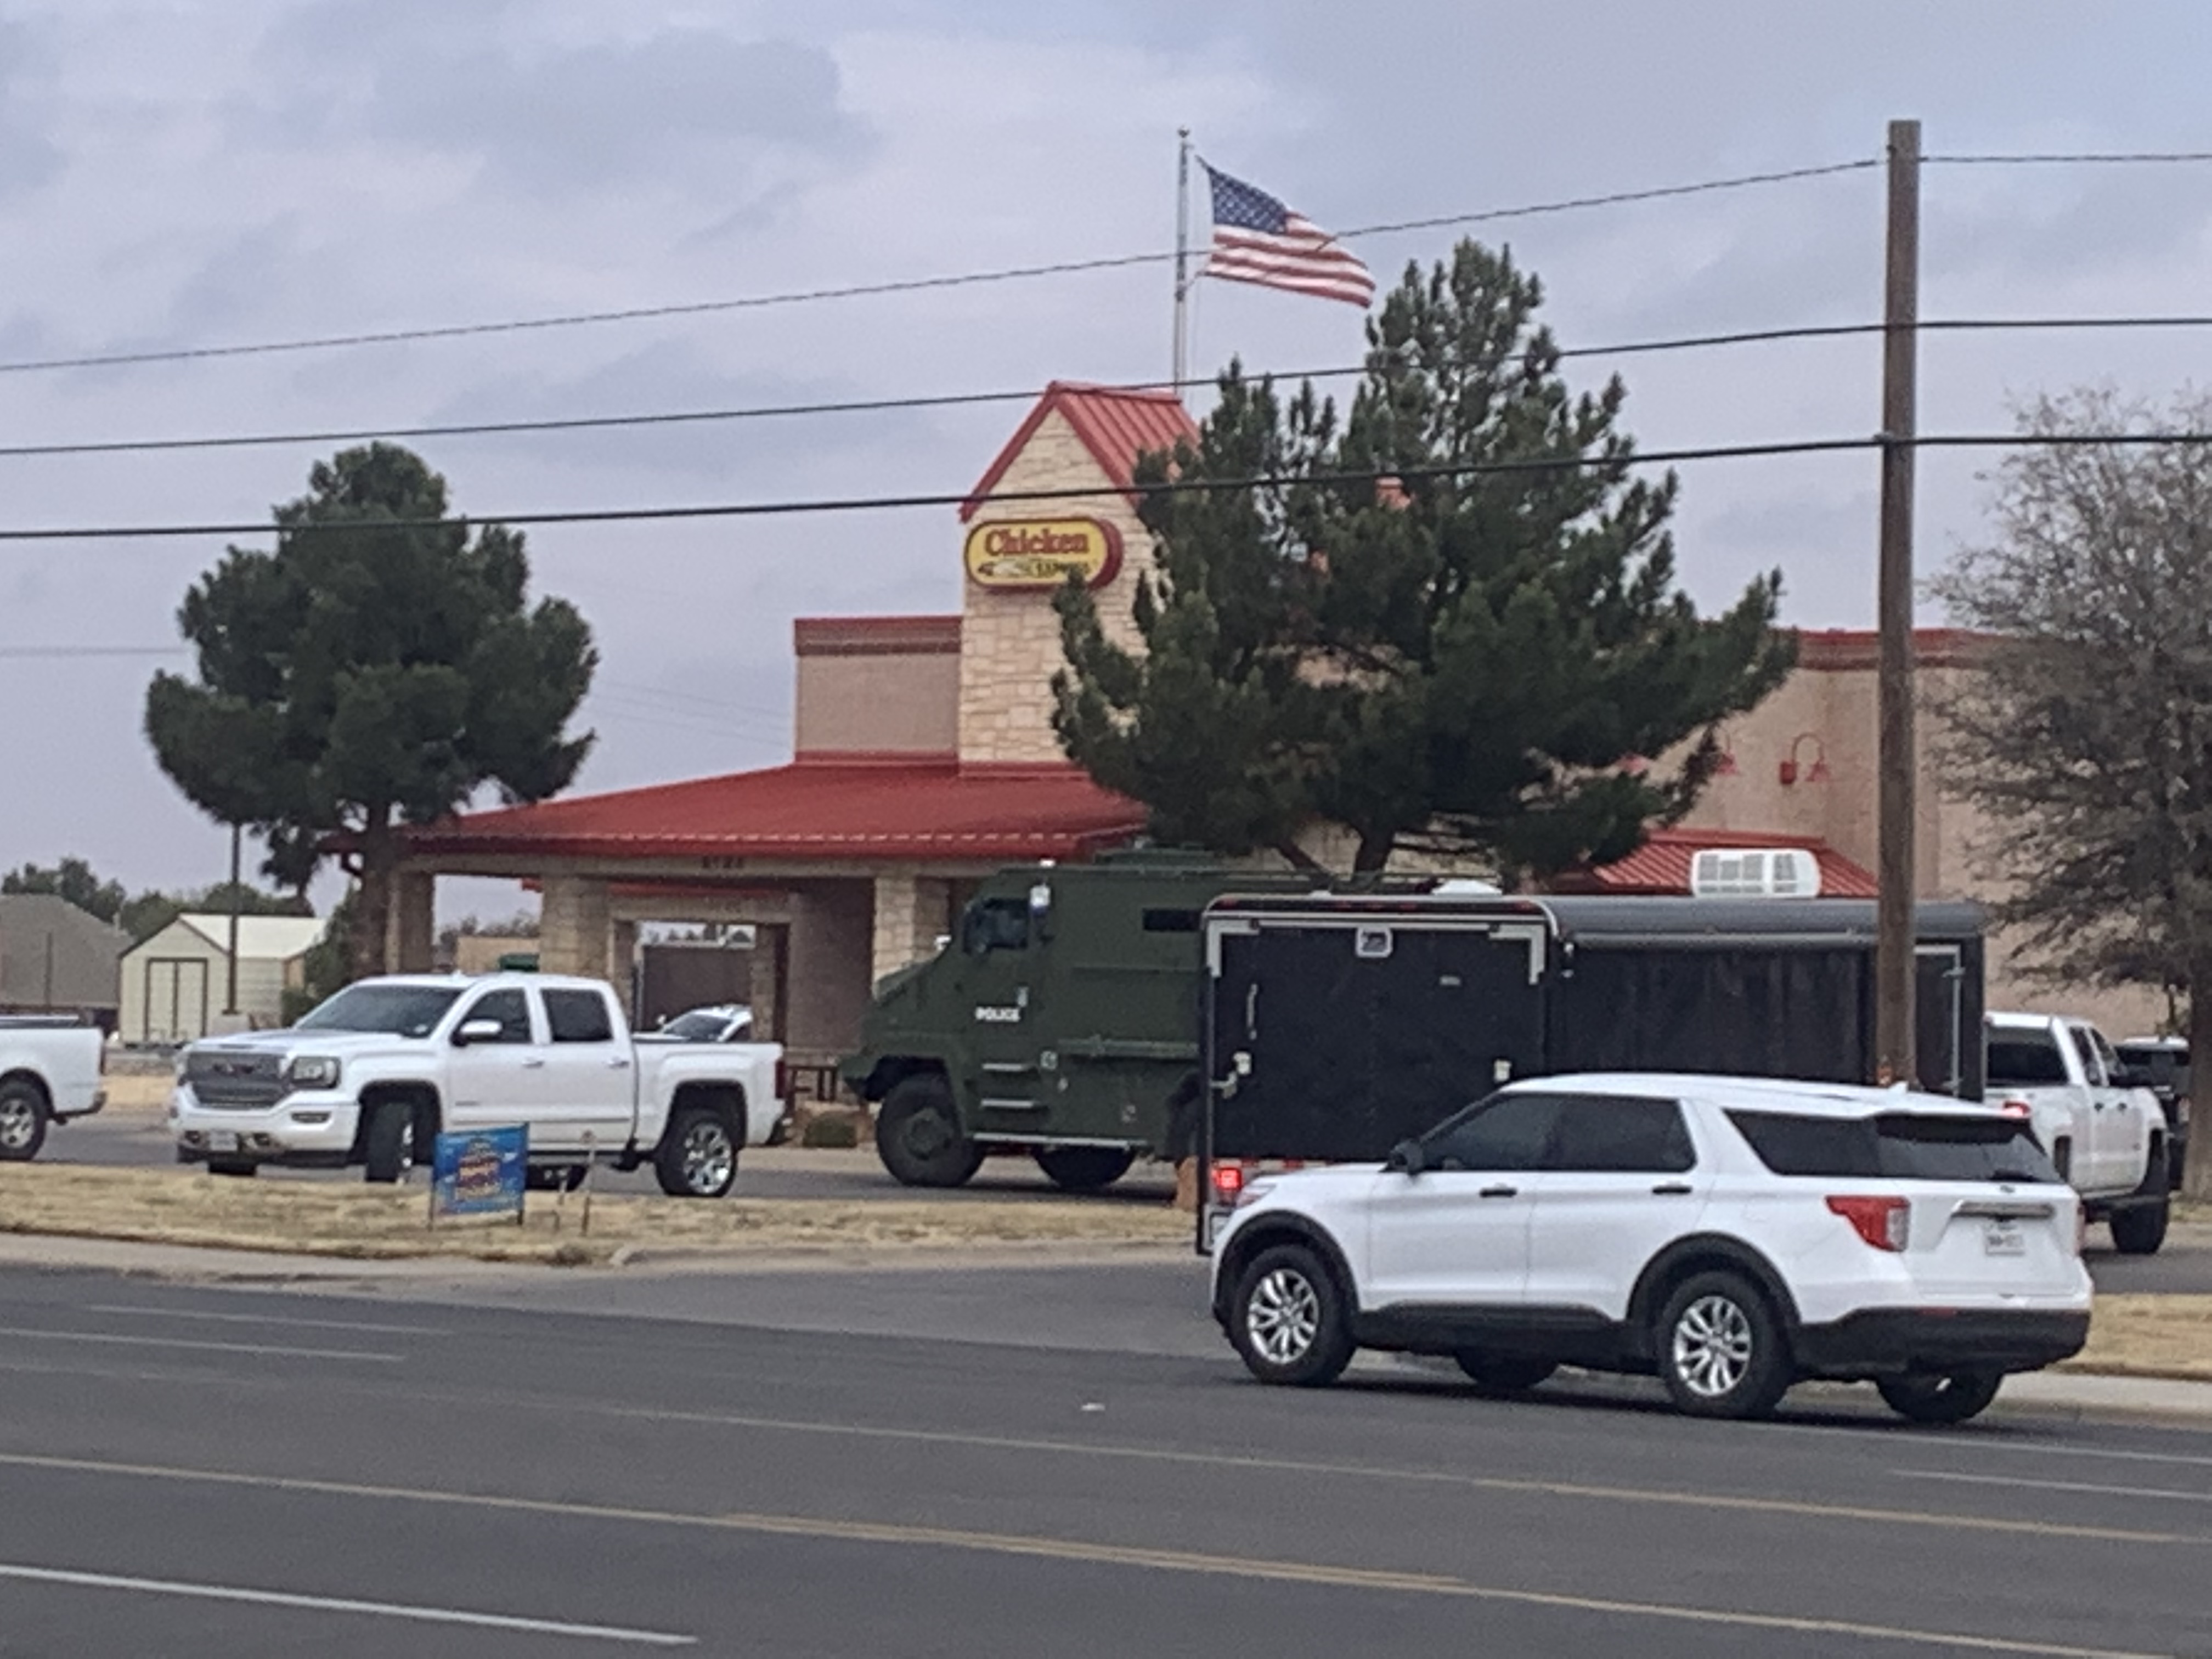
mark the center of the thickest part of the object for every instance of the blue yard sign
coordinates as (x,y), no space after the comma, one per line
(480,1172)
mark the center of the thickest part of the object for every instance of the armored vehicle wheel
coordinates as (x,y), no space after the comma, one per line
(918,1135)
(1085,1168)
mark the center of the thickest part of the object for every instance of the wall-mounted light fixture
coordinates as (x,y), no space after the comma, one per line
(1818,773)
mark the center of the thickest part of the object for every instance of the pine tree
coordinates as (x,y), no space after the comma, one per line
(1453,626)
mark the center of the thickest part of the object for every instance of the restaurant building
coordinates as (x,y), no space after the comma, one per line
(924,758)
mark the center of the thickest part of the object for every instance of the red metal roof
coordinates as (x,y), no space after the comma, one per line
(1116,424)
(1661,865)
(907,808)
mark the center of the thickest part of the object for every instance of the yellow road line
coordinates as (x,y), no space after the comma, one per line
(1088,1553)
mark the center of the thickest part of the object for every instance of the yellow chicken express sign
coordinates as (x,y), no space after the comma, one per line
(1041,552)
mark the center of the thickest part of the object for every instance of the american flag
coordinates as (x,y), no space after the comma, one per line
(1257,239)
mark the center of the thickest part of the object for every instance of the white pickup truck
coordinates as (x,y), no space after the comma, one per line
(49,1073)
(370,1076)
(2107,1135)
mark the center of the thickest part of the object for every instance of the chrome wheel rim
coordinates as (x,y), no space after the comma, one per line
(19,1121)
(708,1162)
(1283,1316)
(1712,1346)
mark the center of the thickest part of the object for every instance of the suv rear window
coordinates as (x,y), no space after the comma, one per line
(1896,1146)
(2025,1059)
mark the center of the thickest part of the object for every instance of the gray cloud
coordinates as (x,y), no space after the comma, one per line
(553,119)
(28,158)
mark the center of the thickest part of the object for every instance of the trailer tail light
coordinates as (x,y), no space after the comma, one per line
(1884,1223)
(1228,1180)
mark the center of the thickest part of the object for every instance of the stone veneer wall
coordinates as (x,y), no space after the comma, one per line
(1010,641)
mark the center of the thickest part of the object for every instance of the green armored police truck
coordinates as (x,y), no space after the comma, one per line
(1061,1019)
(1160,1004)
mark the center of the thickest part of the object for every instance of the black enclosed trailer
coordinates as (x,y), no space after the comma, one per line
(1337,1025)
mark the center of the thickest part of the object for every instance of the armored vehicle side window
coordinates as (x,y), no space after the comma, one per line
(995,924)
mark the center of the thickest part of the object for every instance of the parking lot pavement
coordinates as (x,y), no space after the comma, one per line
(202,1472)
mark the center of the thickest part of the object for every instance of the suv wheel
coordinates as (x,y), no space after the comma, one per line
(1499,1373)
(918,1135)
(1950,1397)
(1289,1320)
(1721,1350)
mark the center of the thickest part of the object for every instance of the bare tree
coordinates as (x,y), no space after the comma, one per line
(2087,739)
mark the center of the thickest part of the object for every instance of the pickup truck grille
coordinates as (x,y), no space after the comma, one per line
(239,1082)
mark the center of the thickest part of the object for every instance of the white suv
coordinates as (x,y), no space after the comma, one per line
(1733,1235)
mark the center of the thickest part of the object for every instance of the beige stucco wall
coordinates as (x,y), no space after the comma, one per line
(889,702)
(1010,640)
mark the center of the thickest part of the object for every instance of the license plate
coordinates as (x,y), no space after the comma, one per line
(2004,1238)
(222,1143)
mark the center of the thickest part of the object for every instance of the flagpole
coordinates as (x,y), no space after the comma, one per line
(1182,260)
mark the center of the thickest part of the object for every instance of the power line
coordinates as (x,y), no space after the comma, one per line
(25,652)
(2073,158)
(906,285)
(967,399)
(820,505)
(805,507)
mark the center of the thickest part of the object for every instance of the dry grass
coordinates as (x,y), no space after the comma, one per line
(337,1218)
(2149,1336)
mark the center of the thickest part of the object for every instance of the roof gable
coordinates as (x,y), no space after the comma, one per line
(1116,424)
(277,939)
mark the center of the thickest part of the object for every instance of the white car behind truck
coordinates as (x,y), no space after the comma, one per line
(49,1073)
(374,1074)
(2106,1134)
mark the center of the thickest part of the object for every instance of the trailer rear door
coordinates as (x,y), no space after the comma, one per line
(1331,1038)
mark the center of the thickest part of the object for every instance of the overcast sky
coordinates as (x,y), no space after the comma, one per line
(196,175)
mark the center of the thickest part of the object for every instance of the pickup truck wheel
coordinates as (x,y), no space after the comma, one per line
(2139,1227)
(1085,1168)
(1949,1397)
(918,1135)
(389,1151)
(1720,1348)
(22,1120)
(1288,1321)
(244,1168)
(697,1156)
(1498,1373)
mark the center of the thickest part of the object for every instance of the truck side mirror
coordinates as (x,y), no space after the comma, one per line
(477,1030)
(1408,1157)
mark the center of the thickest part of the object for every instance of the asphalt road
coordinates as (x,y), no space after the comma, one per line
(206,1473)
(141,1139)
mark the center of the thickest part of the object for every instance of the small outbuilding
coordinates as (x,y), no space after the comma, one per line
(176,982)
(57,959)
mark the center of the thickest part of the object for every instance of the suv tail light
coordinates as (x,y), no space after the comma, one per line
(1884,1223)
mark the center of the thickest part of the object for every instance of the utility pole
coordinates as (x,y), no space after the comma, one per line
(237,900)
(1895,1060)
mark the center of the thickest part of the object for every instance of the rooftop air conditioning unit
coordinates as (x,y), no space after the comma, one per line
(1754,873)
